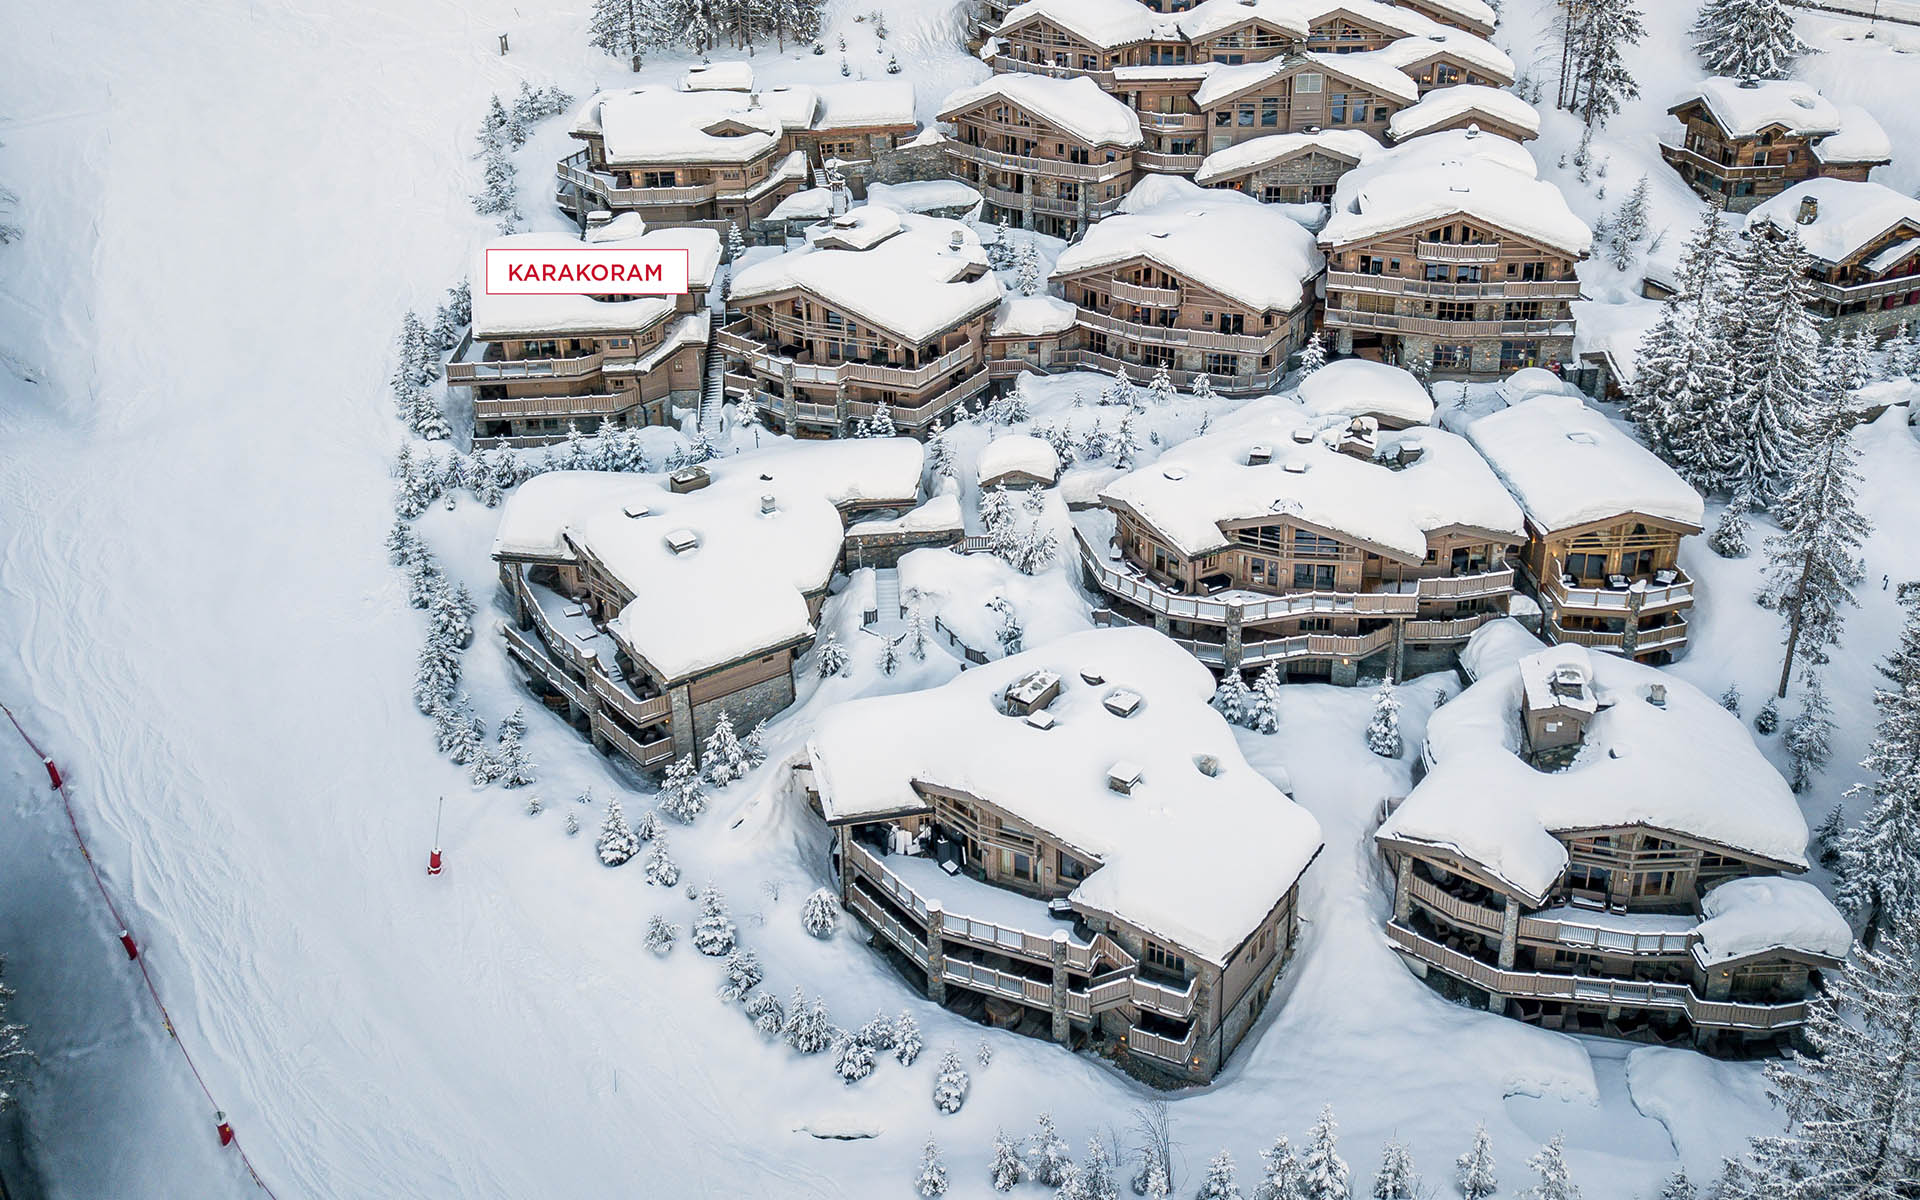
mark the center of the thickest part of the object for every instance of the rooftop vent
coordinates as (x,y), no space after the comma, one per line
(598,217)
(1809,210)
(1092,677)
(1750,82)
(1802,102)
(1657,695)
(1175,473)
(1123,777)
(768,504)
(1122,702)
(1032,692)
(1294,466)
(1473,131)
(1041,720)
(683,541)
(636,511)
(1581,437)
(688,479)
(1207,764)
(1259,455)
(1303,437)
(1410,452)
(958,240)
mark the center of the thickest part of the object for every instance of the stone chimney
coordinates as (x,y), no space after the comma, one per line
(1809,210)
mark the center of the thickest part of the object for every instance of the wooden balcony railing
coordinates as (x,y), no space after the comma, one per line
(573,171)
(1397,285)
(1664,637)
(873,914)
(596,404)
(1452,629)
(1875,289)
(1575,935)
(1136,293)
(1457,252)
(1034,166)
(488,371)
(645,754)
(1393,322)
(1677,156)
(1651,595)
(1166,1050)
(1167,335)
(1006,63)
(1169,164)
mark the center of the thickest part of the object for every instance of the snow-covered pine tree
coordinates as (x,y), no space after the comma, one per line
(763,1008)
(1767,720)
(808,1030)
(1810,735)
(1232,698)
(907,1042)
(499,194)
(681,795)
(1474,1170)
(616,843)
(950,1085)
(854,1061)
(713,933)
(1729,536)
(1325,1173)
(1396,1179)
(1684,379)
(1608,30)
(820,913)
(1730,699)
(1313,355)
(484,767)
(516,768)
(450,614)
(437,675)
(1630,227)
(756,744)
(889,655)
(726,758)
(661,934)
(1048,1155)
(1219,1183)
(1120,392)
(940,457)
(1027,277)
(1160,387)
(1383,732)
(1814,561)
(1678,1187)
(1126,443)
(658,863)
(15,1055)
(1092,1178)
(1004,1173)
(1093,444)
(1770,333)
(1011,633)
(1552,1181)
(741,974)
(1203,386)
(983,1054)
(1880,857)
(1263,711)
(1747,39)
(932,1177)
(1284,1176)
(917,636)
(830,657)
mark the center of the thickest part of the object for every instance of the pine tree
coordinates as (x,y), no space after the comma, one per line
(1747,39)
(1027,270)
(1607,30)
(1730,699)
(1880,857)
(756,744)
(808,1029)
(950,1086)
(1684,380)
(1767,720)
(1678,1187)
(658,863)
(889,655)
(1810,735)
(932,1177)
(855,1061)
(1160,387)
(820,913)
(616,843)
(830,657)
(1729,536)
(1630,226)
(1232,698)
(1814,562)
(1285,1177)
(1092,1177)
(1004,1174)
(516,769)
(940,457)
(1126,443)
(681,796)
(907,1043)
(661,934)
(1771,335)
(1475,1171)
(1852,1127)
(1313,355)
(1048,1156)
(1383,732)
(1203,385)
(763,1008)
(714,932)
(917,639)
(1396,1179)
(1326,1176)
(1011,634)
(726,759)
(742,973)
(1550,1169)
(1120,392)
(1263,712)
(1219,1183)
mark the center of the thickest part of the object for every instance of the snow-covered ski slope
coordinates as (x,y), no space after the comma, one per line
(228,208)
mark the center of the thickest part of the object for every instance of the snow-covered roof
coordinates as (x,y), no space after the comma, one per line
(1360,387)
(1107,24)
(1745,107)
(1075,106)
(1446,104)
(1688,767)
(1224,241)
(1207,481)
(807,202)
(1210,17)
(941,513)
(1243,158)
(1745,917)
(1489,178)
(1497,645)
(741,590)
(1370,69)
(736,76)
(1032,316)
(1860,139)
(1477,13)
(498,316)
(1022,453)
(662,124)
(863,104)
(1615,331)
(1569,466)
(1198,860)
(922,195)
(1848,219)
(907,277)
(1471,49)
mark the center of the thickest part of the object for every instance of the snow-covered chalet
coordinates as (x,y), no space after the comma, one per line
(1863,243)
(1742,141)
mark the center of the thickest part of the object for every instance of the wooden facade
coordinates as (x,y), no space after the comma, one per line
(1875,285)
(1740,171)
(1614,584)
(1033,173)
(1300,95)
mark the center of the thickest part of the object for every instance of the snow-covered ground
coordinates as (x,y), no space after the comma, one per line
(228,210)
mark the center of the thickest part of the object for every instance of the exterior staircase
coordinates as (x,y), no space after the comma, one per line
(886,593)
(713,392)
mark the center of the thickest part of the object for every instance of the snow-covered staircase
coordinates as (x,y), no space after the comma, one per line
(886,593)
(820,177)
(713,392)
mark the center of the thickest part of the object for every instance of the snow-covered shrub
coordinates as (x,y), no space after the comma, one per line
(661,934)
(820,913)
(1730,699)
(983,1054)
(765,1011)
(681,796)
(1383,732)
(932,1179)
(808,1029)
(906,1039)
(713,932)
(950,1086)
(658,863)
(616,843)
(742,975)
(877,1032)
(855,1062)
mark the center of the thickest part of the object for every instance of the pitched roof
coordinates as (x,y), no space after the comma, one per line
(1849,217)
(1243,158)
(1075,106)
(1443,105)
(1569,466)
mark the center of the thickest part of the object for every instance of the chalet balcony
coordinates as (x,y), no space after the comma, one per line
(1679,157)
(496,369)
(1452,629)
(739,341)
(571,639)
(1624,935)
(1396,285)
(1136,293)
(1033,165)
(1457,252)
(1167,164)
(1868,292)
(1340,318)
(1089,209)
(1594,991)
(593,404)
(1669,588)
(788,409)
(1671,636)
(1168,335)
(1006,63)
(574,171)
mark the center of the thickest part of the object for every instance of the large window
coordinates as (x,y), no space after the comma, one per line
(1318,577)
(1308,544)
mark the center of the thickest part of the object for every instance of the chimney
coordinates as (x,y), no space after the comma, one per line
(1809,210)
(767,504)
(958,240)
(1657,695)
(1259,455)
